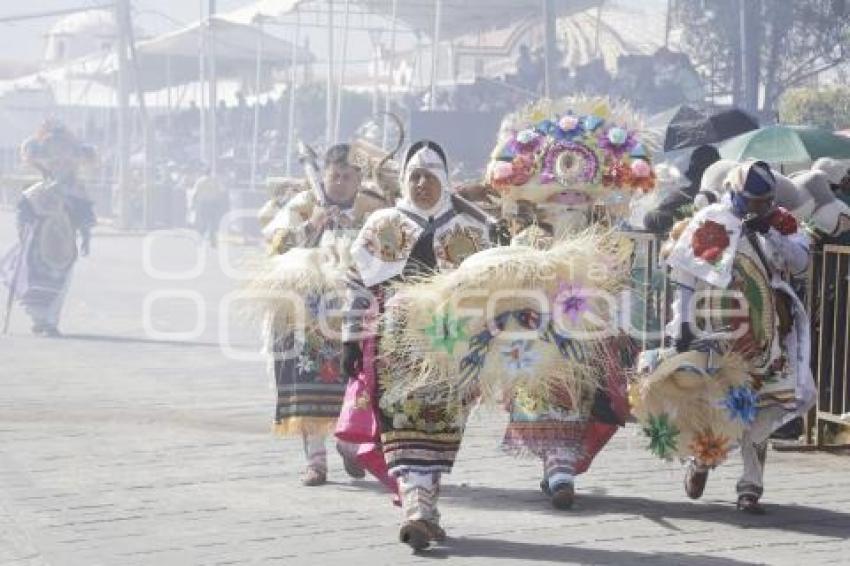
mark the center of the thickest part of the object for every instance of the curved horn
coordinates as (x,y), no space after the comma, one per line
(376,173)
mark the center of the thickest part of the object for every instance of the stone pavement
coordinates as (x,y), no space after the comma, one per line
(119,447)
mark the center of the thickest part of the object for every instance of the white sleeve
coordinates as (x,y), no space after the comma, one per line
(794,249)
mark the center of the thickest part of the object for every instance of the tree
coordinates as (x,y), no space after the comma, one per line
(784,43)
(828,109)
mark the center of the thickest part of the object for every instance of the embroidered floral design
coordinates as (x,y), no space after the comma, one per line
(742,404)
(709,241)
(710,449)
(571,301)
(663,435)
(446,331)
(528,404)
(519,356)
(388,239)
(457,244)
(305,364)
(329,372)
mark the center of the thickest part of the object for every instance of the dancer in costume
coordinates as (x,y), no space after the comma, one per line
(306,361)
(740,367)
(429,231)
(579,167)
(52,215)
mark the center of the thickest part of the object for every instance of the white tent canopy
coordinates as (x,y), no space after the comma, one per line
(172,59)
(166,61)
(458,17)
(462,17)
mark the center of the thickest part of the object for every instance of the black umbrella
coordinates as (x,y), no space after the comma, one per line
(685,126)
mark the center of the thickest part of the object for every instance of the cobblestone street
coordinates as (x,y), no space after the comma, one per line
(120,447)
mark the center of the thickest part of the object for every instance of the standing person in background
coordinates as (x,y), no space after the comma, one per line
(207,201)
(51,215)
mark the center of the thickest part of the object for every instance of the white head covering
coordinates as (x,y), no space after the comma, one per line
(711,187)
(425,157)
(834,169)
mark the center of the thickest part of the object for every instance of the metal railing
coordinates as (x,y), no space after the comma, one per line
(829,298)
(650,289)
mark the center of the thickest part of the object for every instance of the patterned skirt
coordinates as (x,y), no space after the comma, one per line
(580,429)
(420,434)
(310,387)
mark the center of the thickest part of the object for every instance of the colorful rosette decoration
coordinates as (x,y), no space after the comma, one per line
(550,152)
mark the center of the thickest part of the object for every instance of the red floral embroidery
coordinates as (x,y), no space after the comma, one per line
(709,241)
(783,221)
(329,372)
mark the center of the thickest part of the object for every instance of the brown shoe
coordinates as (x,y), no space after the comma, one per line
(416,534)
(749,503)
(313,478)
(695,480)
(563,496)
(438,534)
(352,468)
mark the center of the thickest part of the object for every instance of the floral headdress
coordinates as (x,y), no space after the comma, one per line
(585,147)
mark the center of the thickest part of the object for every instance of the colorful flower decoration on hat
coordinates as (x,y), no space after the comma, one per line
(617,174)
(710,449)
(570,125)
(570,164)
(550,129)
(590,123)
(742,404)
(643,176)
(616,141)
(709,241)
(663,435)
(502,173)
(529,140)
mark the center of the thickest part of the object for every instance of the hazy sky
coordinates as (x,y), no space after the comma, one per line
(25,39)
